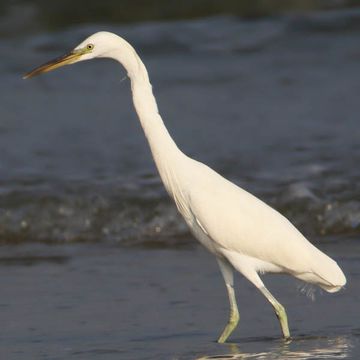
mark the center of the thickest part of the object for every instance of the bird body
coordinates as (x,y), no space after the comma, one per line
(228,220)
(239,229)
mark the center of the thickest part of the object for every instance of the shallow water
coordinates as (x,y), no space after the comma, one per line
(106,302)
(95,262)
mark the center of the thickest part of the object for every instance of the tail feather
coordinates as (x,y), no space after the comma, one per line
(326,273)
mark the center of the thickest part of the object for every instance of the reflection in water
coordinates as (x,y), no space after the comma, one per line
(301,349)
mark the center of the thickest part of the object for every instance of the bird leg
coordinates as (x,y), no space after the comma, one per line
(245,267)
(234,316)
(227,273)
(279,311)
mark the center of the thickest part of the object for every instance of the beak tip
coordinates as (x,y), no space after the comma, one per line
(54,64)
(27,75)
(30,74)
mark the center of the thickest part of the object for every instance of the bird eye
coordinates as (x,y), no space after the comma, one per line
(89,46)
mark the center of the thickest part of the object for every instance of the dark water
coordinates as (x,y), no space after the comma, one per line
(96,263)
(106,302)
(271,104)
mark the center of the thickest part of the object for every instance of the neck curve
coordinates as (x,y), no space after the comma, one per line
(163,148)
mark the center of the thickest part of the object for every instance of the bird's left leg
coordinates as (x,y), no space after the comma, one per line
(279,311)
(227,272)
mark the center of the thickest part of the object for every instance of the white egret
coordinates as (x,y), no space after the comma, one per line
(242,232)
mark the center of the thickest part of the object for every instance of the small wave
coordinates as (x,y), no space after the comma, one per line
(141,214)
(322,208)
(90,213)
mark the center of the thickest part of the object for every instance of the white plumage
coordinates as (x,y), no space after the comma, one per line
(240,230)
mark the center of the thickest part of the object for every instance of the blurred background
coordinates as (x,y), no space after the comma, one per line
(265,92)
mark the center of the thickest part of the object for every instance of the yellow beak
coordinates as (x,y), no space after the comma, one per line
(54,64)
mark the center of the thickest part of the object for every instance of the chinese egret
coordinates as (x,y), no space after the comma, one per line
(241,231)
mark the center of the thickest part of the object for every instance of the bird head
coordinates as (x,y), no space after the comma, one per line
(97,45)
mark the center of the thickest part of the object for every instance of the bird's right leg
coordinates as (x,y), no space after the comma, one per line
(227,272)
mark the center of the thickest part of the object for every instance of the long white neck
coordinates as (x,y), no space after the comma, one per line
(163,148)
